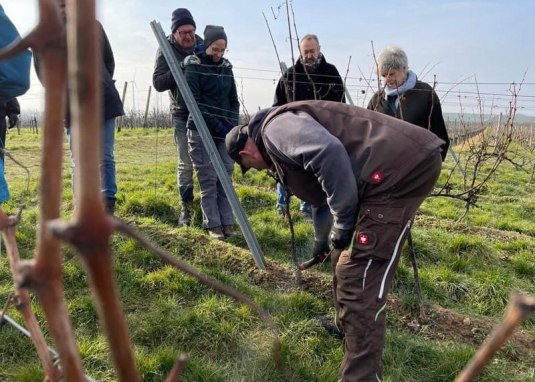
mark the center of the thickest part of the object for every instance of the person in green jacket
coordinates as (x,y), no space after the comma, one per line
(211,80)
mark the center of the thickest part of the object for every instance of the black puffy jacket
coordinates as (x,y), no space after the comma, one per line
(322,84)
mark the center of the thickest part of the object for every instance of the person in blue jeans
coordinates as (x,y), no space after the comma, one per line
(311,78)
(107,165)
(112,108)
(283,202)
(184,42)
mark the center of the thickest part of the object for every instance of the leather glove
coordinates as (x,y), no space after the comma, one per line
(320,248)
(340,238)
(320,253)
(13,119)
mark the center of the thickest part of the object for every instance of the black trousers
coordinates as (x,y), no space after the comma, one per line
(3,130)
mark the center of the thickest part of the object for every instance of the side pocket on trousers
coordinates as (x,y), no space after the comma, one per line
(349,274)
(377,235)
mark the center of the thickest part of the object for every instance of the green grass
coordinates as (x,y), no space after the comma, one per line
(467,269)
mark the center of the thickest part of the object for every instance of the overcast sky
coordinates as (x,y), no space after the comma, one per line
(460,42)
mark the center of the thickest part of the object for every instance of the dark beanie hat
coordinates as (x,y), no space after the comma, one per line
(212,33)
(181,16)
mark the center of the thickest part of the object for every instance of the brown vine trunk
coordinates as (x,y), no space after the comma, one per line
(23,304)
(92,226)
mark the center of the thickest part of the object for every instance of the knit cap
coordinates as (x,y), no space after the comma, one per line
(181,16)
(213,33)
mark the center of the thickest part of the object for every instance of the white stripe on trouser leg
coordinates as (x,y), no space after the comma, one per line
(382,290)
(365,273)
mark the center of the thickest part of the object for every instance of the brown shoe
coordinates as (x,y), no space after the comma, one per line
(216,233)
(228,230)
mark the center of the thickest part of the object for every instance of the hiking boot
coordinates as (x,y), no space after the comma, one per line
(184,218)
(228,230)
(109,204)
(330,327)
(216,233)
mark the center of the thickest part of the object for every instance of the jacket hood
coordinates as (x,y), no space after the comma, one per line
(254,130)
(255,124)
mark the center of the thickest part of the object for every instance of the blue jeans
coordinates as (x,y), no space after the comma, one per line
(107,163)
(184,172)
(281,200)
(4,190)
(216,209)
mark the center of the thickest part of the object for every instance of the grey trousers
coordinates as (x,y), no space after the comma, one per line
(364,272)
(216,210)
(184,173)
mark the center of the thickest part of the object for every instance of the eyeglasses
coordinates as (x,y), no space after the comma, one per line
(187,33)
(217,50)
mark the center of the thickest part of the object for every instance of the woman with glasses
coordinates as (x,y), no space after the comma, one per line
(211,81)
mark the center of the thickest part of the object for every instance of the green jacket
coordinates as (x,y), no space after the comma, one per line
(214,89)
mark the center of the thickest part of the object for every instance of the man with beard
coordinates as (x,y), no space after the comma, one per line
(314,78)
(311,78)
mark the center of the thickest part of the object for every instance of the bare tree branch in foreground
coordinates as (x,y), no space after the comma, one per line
(520,307)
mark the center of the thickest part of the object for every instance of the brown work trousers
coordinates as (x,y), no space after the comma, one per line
(363,273)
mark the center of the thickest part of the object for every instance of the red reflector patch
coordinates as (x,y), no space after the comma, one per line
(363,239)
(377,177)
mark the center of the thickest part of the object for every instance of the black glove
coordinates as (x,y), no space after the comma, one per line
(320,253)
(340,238)
(228,125)
(13,119)
(199,49)
(222,128)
